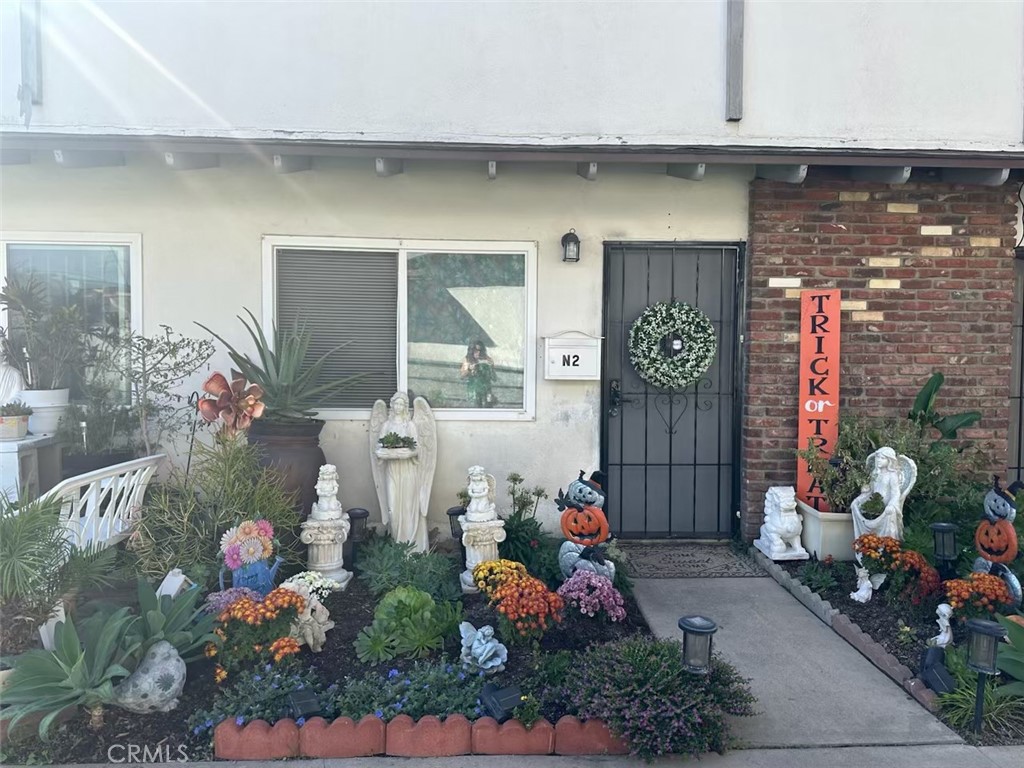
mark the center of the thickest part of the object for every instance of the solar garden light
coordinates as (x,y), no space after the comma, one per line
(944,535)
(499,702)
(357,517)
(453,521)
(303,704)
(981,657)
(697,634)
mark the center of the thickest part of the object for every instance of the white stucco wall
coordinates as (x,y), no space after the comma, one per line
(830,73)
(201,240)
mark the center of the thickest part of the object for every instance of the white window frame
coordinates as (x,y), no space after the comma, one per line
(271,244)
(133,240)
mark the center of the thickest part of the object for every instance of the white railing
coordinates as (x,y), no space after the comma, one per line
(97,506)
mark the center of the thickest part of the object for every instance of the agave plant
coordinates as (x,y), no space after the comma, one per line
(289,384)
(78,672)
(178,620)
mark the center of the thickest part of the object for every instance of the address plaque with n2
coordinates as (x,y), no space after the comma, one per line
(572,359)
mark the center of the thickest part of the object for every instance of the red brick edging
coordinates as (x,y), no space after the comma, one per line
(427,737)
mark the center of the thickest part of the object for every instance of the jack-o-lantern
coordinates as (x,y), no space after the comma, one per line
(587,526)
(996,541)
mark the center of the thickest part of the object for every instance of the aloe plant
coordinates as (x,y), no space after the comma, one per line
(78,672)
(289,384)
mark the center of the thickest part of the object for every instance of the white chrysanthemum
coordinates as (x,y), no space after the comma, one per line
(251,550)
(228,538)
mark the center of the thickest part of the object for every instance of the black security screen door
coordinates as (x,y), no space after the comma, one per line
(671,455)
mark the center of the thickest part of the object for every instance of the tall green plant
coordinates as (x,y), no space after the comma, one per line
(155,367)
(290,384)
(182,520)
(77,672)
(1011,659)
(923,411)
(523,533)
(44,341)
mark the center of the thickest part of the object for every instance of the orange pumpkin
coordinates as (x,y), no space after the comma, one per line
(996,542)
(587,526)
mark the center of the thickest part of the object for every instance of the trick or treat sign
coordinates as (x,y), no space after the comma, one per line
(819,386)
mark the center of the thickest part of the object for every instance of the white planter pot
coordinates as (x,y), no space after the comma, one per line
(13,427)
(47,405)
(827,533)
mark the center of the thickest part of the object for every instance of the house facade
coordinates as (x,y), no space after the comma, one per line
(403,176)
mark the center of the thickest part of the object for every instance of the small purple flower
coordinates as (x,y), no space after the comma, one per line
(379,713)
(300,722)
(239,720)
(392,674)
(257,678)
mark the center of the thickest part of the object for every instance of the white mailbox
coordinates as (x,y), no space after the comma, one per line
(572,358)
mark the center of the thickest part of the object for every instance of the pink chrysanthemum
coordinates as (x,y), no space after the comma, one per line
(233,556)
(265,528)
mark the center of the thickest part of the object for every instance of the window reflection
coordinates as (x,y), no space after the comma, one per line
(467,329)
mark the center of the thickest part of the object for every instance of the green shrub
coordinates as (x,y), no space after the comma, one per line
(1011,659)
(408,623)
(77,672)
(262,694)
(1000,712)
(817,576)
(182,520)
(178,620)
(427,688)
(639,687)
(522,529)
(385,564)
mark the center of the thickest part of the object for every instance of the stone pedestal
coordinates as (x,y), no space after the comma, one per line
(327,528)
(481,540)
(325,539)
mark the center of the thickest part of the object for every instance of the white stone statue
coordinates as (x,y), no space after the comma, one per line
(780,533)
(482,490)
(482,529)
(945,636)
(892,477)
(312,625)
(326,530)
(11,382)
(867,583)
(403,475)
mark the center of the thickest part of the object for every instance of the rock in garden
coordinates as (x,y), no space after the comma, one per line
(156,685)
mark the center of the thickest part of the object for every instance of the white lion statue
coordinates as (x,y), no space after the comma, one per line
(780,533)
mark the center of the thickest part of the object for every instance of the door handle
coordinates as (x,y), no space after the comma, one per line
(615,398)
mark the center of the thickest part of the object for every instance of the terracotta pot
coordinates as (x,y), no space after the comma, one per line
(293,450)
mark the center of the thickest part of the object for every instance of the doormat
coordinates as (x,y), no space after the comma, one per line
(686,560)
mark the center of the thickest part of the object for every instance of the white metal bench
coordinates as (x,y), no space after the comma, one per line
(97,506)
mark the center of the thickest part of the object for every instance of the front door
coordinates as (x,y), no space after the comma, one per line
(670,454)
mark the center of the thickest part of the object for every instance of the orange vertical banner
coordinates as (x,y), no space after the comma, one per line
(819,386)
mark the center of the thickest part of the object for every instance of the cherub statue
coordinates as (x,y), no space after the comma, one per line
(312,625)
(403,476)
(327,506)
(481,488)
(945,636)
(892,477)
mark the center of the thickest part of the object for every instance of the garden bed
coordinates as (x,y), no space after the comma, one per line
(75,742)
(901,630)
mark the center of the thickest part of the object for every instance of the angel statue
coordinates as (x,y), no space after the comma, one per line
(403,454)
(892,477)
(481,488)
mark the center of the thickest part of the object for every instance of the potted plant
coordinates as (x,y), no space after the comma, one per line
(45,342)
(287,433)
(14,420)
(97,431)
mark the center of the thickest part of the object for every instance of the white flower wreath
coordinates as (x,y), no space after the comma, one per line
(648,335)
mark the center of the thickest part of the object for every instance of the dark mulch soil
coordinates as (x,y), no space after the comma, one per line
(351,610)
(880,618)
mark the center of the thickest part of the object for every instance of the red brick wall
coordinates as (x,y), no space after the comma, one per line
(926,273)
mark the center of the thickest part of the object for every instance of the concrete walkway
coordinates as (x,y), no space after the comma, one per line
(813,689)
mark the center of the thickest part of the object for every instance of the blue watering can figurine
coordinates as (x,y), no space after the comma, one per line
(257,576)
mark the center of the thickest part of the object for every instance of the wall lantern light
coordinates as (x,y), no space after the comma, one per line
(981,657)
(697,633)
(944,535)
(570,246)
